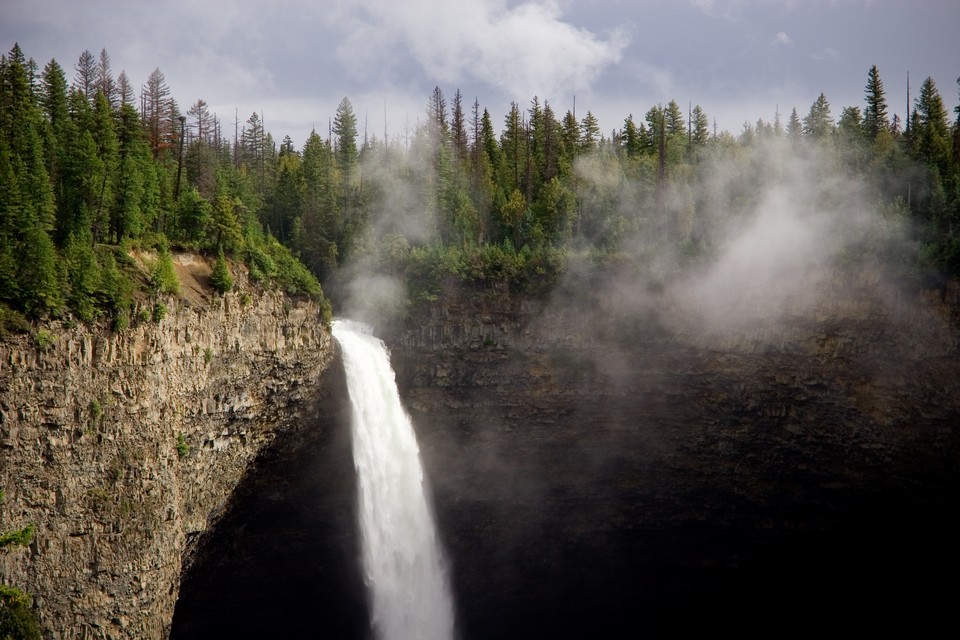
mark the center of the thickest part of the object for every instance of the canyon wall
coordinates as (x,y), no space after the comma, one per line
(607,464)
(121,448)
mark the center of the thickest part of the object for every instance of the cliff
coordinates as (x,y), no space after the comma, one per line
(122,447)
(614,461)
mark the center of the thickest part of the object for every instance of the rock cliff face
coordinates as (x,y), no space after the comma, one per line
(121,448)
(610,467)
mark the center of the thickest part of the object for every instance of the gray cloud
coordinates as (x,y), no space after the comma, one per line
(524,50)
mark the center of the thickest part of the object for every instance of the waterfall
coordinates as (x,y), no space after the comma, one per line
(403,563)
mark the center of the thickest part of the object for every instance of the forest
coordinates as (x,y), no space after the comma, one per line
(91,170)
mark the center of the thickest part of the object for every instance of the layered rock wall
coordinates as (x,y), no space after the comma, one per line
(121,447)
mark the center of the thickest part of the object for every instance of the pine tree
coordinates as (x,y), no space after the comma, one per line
(128,213)
(930,129)
(86,75)
(159,113)
(108,153)
(345,129)
(40,290)
(201,158)
(83,274)
(632,144)
(319,227)
(124,89)
(875,114)
(458,130)
(104,82)
(512,151)
(794,127)
(220,277)
(818,124)
(700,127)
(589,133)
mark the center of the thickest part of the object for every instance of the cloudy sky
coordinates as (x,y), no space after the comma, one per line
(294,60)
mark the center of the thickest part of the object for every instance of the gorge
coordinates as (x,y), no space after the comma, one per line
(602,465)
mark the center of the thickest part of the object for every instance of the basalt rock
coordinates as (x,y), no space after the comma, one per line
(122,448)
(609,467)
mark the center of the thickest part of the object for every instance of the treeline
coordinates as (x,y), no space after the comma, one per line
(88,174)
(88,169)
(464,198)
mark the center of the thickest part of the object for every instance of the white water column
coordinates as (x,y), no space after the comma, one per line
(404,565)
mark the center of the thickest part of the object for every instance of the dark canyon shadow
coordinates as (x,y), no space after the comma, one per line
(283,560)
(631,485)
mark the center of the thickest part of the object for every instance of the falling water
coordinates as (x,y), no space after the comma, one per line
(402,559)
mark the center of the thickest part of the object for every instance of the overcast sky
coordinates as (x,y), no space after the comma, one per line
(294,60)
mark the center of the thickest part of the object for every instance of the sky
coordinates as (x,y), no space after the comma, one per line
(293,61)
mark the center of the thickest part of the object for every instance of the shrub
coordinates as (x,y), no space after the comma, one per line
(12,321)
(163,275)
(44,339)
(96,412)
(17,620)
(182,447)
(220,278)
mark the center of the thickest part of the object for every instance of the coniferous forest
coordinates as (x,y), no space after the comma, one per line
(92,169)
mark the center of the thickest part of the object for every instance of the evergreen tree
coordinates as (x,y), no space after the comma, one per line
(794,127)
(85,78)
(345,130)
(38,277)
(632,144)
(589,133)
(458,130)
(699,127)
(83,274)
(317,231)
(818,124)
(512,151)
(875,117)
(104,82)
(159,112)
(930,129)
(108,153)
(220,277)
(124,89)
(128,213)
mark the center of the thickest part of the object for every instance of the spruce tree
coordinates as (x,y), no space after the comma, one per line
(818,124)
(930,129)
(220,277)
(875,114)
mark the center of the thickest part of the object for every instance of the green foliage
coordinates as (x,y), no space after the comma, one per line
(12,321)
(220,277)
(17,619)
(96,412)
(17,538)
(182,447)
(163,275)
(82,179)
(41,293)
(44,339)
(207,356)
(83,274)
(159,311)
